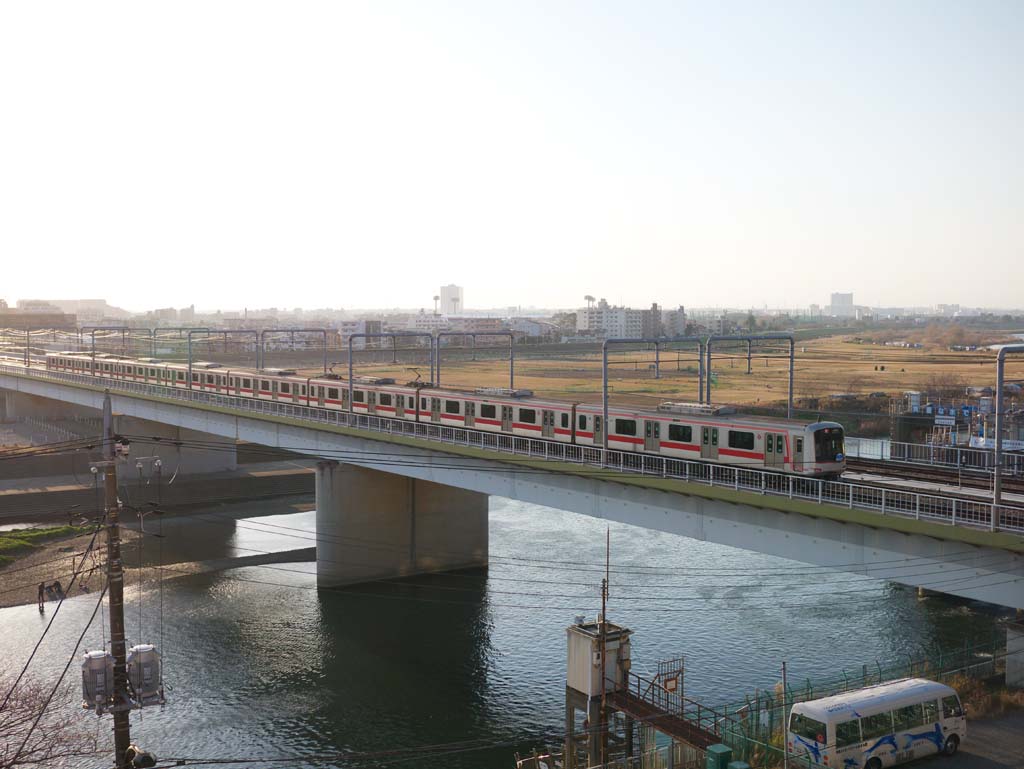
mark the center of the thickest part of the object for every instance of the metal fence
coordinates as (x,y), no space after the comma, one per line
(855,496)
(938,455)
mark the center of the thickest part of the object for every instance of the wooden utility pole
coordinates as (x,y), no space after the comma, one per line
(603,636)
(115,585)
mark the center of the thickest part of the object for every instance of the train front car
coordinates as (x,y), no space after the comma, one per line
(829,451)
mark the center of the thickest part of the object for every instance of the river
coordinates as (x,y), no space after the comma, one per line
(260,664)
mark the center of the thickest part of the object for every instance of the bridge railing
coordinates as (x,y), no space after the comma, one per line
(962,457)
(956,511)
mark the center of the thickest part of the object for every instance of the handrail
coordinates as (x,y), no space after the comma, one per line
(886,501)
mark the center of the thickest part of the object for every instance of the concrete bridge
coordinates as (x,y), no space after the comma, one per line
(396,498)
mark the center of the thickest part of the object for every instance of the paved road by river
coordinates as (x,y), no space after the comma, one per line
(991,744)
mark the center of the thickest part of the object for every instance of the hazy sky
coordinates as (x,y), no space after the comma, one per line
(361,154)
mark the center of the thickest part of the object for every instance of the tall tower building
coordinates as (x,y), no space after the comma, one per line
(451,300)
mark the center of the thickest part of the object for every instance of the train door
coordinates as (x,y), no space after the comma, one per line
(798,454)
(273,389)
(371,402)
(598,431)
(709,443)
(547,423)
(774,449)
(399,406)
(652,435)
(435,409)
(470,413)
(506,419)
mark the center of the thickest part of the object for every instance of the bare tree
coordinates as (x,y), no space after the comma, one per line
(61,734)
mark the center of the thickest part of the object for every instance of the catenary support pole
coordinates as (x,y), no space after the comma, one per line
(749,339)
(472,336)
(997,483)
(394,335)
(293,332)
(638,340)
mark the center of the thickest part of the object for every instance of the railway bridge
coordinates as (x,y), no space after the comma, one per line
(397,498)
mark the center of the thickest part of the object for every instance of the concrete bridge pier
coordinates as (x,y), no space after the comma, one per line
(374,525)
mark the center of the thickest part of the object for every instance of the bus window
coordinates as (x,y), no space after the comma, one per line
(847,733)
(907,718)
(807,727)
(878,725)
(931,712)
(951,707)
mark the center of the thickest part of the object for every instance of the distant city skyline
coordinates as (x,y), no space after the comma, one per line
(346,154)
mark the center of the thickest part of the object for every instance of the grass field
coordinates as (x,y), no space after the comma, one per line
(823,367)
(18,542)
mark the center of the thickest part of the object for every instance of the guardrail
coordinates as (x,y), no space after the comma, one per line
(885,501)
(955,457)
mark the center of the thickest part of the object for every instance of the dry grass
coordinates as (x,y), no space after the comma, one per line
(983,700)
(823,367)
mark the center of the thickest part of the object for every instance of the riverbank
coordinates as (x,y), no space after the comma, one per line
(55,557)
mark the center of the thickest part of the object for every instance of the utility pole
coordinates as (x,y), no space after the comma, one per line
(603,635)
(115,585)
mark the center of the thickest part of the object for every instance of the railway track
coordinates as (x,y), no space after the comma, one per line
(968,478)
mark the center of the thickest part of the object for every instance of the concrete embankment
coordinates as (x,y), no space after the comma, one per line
(27,500)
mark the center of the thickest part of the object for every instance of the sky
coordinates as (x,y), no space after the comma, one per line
(361,154)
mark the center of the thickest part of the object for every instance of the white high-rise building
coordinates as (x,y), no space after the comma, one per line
(842,306)
(451,300)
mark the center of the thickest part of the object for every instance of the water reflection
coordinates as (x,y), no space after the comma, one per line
(259,663)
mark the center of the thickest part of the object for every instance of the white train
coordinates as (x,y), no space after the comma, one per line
(687,431)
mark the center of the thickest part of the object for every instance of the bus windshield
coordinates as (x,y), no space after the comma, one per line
(828,444)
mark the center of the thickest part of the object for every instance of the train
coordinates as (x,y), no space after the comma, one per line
(703,432)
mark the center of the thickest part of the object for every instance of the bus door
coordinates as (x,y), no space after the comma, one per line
(435,409)
(371,401)
(470,413)
(598,431)
(709,443)
(652,435)
(506,419)
(547,422)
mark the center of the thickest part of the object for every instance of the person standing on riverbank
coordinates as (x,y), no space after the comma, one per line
(42,596)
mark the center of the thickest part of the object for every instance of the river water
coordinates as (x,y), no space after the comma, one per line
(260,664)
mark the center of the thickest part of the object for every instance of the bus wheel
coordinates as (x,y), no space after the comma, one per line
(874,763)
(951,745)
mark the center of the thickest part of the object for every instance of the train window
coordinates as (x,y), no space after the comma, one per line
(265,385)
(583,422)
(779,449)
(423,404)
(195,377)
(152,372)
(384,399)
(565,420)
(451,407)
(741,440)
(359,396)
(209,379)
(488,412)
(714,436)
(529,416)
(139,370)
(332,393)
(681,433)
(625,426)
(285,388)
(181,376)
(799,445)
(769,445)
(247,383)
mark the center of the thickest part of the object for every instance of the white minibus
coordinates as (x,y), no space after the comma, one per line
(878,726)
